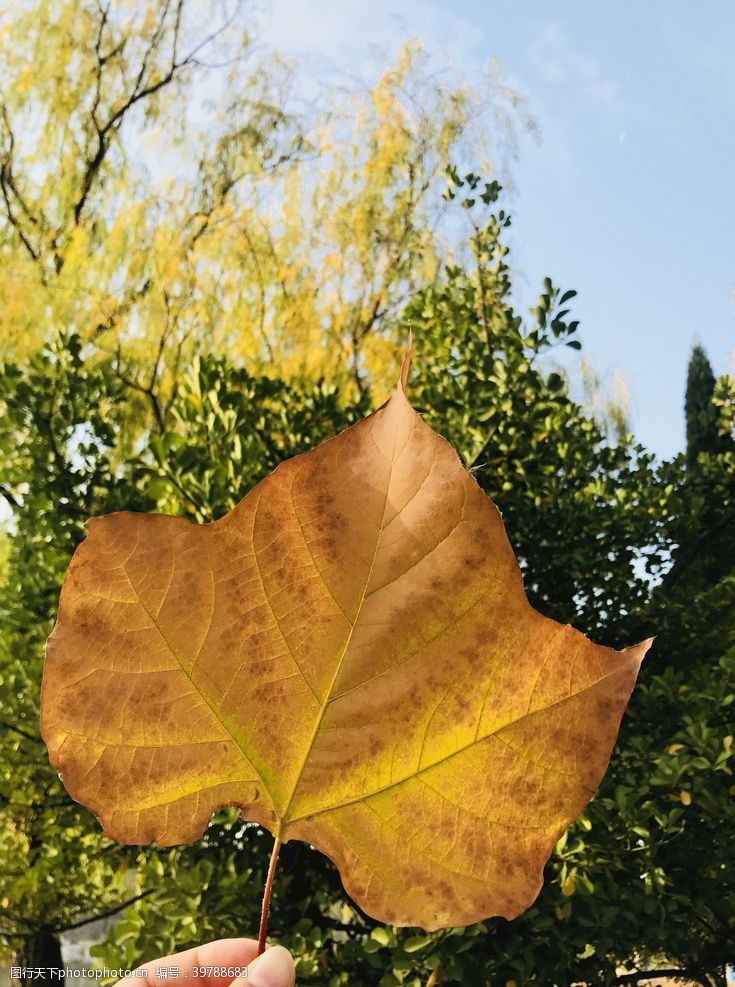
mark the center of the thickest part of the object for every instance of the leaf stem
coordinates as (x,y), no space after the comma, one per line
(265,911)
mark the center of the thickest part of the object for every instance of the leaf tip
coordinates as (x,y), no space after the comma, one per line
(641,649)
(406,365)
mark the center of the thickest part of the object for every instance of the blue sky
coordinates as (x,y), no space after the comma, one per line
(628,196)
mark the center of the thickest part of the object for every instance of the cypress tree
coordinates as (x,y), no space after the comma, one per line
(698,591)
(700,413)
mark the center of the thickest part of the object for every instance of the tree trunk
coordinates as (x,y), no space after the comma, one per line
(42,950)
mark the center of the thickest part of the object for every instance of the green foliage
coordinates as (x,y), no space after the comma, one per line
(165,191)
(229,429)
(640,881)
(696,599)
(56,439)
(704,433)
(583,514)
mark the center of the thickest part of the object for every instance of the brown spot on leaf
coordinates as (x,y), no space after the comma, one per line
(318,777)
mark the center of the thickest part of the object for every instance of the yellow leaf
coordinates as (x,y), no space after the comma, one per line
(685,797)
(727,743)
(350,658)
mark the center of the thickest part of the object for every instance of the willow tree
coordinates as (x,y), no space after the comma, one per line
(162,191)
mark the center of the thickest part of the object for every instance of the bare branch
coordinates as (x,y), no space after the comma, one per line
(150,394)
(9,496)
(140,91)
(218,32)
(101,915)
(101,61)
(21,733)
(10,189)
(125,305)
(58,930)
(262,292)
(152,47)
(146,389)
(642,975)
(6,186)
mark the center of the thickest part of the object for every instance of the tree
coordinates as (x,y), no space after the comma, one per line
(703,433)
(618,883)
(58,443)
(617,892)
(699,584)
(584,511)
(617,887)
(154,220)
(277,237)
(55,442)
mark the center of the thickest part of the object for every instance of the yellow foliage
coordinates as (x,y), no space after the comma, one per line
(154,229)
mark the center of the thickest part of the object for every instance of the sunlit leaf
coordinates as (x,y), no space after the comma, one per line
(349,657)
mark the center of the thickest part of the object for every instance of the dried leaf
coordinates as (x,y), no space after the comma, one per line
(349,657)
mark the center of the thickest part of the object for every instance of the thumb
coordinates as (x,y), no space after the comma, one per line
(273,968)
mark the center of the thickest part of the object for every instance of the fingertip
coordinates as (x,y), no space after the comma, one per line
(273,968)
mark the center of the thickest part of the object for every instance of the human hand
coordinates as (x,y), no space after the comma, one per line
(222,963)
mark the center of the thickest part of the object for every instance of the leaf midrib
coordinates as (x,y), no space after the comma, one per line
(338,666)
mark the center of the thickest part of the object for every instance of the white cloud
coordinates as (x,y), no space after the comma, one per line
(344,41)
(343,31)
(558,62)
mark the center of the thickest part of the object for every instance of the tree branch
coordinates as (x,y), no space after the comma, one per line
(6,186)
(22,733)
(641,975)
(10,497)
(9,187)
(150,394)
(101,915)
(60,929)
(122,309)
(140,91)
